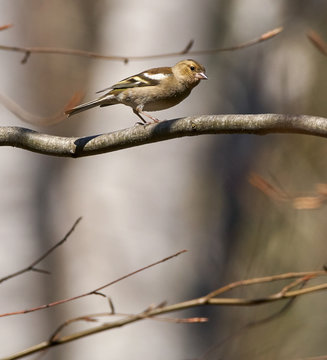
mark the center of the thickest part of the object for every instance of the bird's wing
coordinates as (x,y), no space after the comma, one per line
(150,77)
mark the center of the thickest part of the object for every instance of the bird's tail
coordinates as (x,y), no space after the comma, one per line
(104,101)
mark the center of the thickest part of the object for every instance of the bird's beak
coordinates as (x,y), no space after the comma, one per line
(201,76)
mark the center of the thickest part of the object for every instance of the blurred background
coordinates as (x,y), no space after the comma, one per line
(143,204)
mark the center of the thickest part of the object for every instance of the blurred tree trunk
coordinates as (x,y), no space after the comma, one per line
(50,81)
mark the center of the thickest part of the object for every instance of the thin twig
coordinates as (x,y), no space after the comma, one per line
(249,325)
(205,300)
(39,120)
(317,41)
(266,36)
(313,202)
(266,279)
(32,267)
(46,50)
(93,318)
(95,291)
(5,27)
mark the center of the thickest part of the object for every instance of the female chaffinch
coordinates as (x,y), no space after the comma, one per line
(152,90)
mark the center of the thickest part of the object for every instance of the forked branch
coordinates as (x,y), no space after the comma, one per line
(292,290)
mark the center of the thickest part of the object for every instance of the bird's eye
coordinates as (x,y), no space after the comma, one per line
(192,68)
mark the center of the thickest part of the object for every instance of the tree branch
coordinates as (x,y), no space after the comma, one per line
(32,267)
(260,124)
(36,119)
(317,41)
(94,291)
(285,292)
(5,27)
(59,51)
(303,202)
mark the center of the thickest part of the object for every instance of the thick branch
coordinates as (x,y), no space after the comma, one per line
(260,124)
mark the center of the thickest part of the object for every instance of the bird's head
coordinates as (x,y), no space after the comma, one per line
(190,71)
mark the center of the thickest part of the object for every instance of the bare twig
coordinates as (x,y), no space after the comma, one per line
(297,202)
(259,124)
(39,120)
(93,318)
(317,41)
(266,36)
(92,292)
(267,188)
(44,50)
(209,299)
(249,325)
(298,282)
(5,27)
(32,267)
(266,279)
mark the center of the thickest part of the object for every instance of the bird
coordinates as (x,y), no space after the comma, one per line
(151,90)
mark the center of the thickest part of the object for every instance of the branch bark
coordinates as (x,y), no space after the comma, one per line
(260,124)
